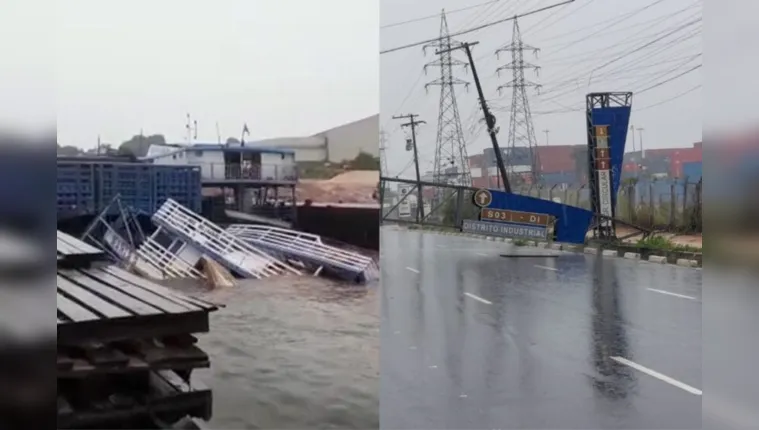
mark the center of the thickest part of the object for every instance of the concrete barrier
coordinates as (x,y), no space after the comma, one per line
(609,253)
(632,256)
(657,259)
(686,262)
(591,251)
(557,246)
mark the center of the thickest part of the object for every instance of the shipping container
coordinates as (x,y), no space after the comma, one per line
(681,157)
(513,156)
(559,158)
(692,171)
(476,161)
(551,179)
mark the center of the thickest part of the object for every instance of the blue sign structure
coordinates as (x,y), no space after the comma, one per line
(618,120)
(505,229)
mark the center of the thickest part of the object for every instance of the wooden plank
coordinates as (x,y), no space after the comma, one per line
(148,326)
(93,301)
(113,295)
(145,294)
(74,311)
(78,246)
(166,292)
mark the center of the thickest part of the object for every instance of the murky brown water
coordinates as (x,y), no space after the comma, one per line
(295,352)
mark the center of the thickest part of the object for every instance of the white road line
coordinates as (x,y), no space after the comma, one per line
(479,299)
(657,375)
(671,294)
(411,269)
(547,268)
(440,246)
(481,254)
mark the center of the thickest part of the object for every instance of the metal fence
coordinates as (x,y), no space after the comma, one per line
(665,205)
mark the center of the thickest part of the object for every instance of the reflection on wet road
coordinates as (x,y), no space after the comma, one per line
(474,340)
(294,352)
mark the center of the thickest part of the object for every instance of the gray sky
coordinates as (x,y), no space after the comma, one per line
(569,52)
(286,67)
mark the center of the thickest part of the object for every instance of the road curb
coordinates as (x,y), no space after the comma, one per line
(585,249)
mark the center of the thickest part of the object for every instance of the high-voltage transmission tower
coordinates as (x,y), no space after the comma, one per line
(521,128)
(451,161)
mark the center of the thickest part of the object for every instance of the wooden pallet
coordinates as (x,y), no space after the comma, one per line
(168,398)
(109,304)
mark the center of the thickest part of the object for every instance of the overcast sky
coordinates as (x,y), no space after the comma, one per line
(670,113)
(286,67)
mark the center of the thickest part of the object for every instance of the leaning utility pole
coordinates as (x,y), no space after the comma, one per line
(451,161)
(489,117)
(521,128)
(413,123)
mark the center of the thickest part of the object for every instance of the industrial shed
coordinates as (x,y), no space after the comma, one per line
(334,145)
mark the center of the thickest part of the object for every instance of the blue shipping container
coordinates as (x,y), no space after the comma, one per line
(559,178)
(693,170)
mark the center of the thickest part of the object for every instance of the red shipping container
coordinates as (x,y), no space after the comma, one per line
(480,182)
(477,160)
(558,158)
(683,156)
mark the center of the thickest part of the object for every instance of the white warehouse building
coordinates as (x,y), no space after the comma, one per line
(337,144)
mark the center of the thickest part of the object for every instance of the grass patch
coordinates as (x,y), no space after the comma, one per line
(664,244)
(520,242)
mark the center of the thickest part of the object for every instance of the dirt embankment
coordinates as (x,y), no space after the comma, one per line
(357,186)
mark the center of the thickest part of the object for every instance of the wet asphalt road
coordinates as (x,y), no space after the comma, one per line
(477,341)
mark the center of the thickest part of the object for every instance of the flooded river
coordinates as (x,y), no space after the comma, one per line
(295,352)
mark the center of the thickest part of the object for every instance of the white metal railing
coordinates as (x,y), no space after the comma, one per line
(300,244)
(169,264)
(245,257)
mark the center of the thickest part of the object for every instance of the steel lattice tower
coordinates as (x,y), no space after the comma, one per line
(451,161)
(521,128)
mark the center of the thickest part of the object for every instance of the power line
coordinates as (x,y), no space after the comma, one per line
(459,33)
(437,15)
(670,79)
(614,60)
(684,93)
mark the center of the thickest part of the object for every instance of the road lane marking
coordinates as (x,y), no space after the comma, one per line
(547,268)
(664,378)
(479,299)
(411,269)
(481,254)
(668,293)
(440,246)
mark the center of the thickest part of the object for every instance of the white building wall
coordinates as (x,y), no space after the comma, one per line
(476,172)
(313,148)
(211,162)
(345,142)
(277,166)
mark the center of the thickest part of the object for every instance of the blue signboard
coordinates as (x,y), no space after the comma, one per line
(505,229)
(570,223)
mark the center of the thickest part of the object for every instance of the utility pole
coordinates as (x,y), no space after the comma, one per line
(640,140)
(632,133)
(489,117)
(413,123)
(192,130)
(546,131)
(383,156)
